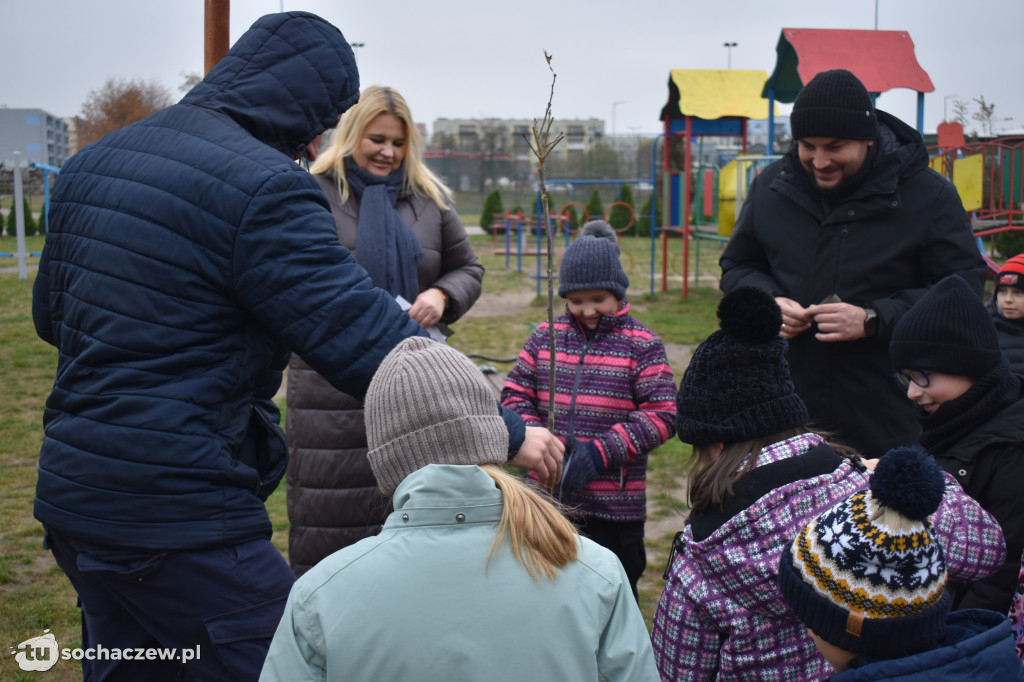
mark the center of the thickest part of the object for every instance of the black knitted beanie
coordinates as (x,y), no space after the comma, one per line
(592,262)
(834,104)
(737,386)
(948,330)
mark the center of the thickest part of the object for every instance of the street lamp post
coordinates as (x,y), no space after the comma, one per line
(355,50)
(615,104)
(945,101)
(729,47)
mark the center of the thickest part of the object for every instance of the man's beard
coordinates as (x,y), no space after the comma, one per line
(837,191)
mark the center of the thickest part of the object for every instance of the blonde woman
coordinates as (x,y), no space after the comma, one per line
(396,218)
(475,576)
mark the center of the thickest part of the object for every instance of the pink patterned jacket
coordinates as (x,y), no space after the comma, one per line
(616,390)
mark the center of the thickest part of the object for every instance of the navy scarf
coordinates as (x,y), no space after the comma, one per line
(386,247)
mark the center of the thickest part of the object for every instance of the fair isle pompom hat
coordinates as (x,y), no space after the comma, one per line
(429,404)
(867,575)
(592,262)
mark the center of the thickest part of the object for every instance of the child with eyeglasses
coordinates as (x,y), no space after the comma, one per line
(947,356)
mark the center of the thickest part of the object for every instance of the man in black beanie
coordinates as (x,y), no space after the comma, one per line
(847,231)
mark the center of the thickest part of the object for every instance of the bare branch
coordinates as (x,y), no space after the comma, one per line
(541,146)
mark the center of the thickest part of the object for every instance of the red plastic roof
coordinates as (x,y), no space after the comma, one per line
(882,60)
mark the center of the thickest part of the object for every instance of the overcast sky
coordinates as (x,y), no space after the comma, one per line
(478,58)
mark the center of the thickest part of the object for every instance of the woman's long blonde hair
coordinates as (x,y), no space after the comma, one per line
(540,537)
(376,100)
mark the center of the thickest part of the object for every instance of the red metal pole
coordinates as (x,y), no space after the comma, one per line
(216,31)
(666,205)
(687,163)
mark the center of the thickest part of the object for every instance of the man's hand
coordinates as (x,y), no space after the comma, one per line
(542,453)
(838,321)
(795,318)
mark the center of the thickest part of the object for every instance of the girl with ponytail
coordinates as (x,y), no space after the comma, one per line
(474,575)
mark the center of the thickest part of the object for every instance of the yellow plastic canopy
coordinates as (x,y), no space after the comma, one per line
(712,94)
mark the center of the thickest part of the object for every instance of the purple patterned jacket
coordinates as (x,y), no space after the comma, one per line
(721,615)
(616,390)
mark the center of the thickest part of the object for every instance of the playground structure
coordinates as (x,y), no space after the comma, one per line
(882,60)
(701,103)
(705,103)
(529,226)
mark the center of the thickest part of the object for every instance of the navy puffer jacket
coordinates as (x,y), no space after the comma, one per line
(187,254)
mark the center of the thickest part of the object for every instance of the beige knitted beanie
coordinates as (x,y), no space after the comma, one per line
(429,404)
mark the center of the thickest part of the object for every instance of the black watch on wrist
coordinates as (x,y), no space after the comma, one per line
(870,322)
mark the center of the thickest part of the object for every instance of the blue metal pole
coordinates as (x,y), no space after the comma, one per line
(654,204)
(508,238)
(46,190)
(920,114)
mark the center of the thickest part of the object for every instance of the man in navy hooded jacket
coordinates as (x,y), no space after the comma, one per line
(187,255)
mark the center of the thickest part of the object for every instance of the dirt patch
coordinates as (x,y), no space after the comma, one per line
(500,304)
(679,355)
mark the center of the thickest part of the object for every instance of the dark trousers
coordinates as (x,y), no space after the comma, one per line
(624,539)
(222,604)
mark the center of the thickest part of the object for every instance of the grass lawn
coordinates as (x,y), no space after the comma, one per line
(35,595)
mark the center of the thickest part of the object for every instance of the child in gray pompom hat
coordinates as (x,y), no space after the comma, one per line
(614,395)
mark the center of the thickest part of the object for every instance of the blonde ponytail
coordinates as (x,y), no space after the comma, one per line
(541,539)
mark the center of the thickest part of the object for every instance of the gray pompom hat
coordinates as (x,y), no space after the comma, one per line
(592,262)
(429,404)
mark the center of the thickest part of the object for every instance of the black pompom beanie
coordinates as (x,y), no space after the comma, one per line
(834,104)
(948,330)
(737,386)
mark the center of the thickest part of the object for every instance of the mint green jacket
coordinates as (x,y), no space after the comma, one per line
(421,602)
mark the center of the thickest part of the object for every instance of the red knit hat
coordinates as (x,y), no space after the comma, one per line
(1012,273)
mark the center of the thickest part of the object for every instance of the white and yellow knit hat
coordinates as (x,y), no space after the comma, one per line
(866,575)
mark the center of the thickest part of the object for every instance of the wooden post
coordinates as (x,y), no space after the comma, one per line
(216,31)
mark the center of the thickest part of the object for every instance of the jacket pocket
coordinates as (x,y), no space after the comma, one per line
(241,638)
(265,450)
(123,564)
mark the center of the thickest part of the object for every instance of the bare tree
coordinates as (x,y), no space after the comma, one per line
(119,102)
(986,116)
(960,112)
(190,80)
(541,146)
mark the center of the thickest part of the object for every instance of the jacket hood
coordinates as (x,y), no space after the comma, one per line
(900,146)
(286,80)
(731,545)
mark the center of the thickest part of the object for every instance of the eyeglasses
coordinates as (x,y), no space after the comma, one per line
(917,376)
